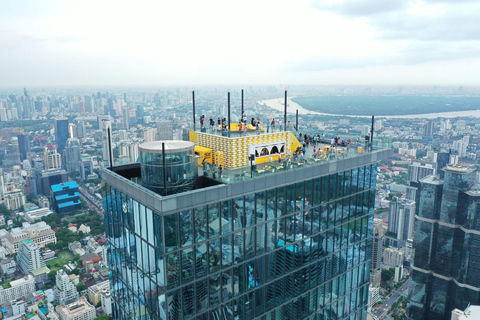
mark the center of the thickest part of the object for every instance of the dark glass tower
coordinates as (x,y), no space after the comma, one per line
(294,244)
(447,241)
(61,133)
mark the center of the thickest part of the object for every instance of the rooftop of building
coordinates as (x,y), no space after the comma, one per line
(64,186)
(247,179)
(75,307)
(458,168)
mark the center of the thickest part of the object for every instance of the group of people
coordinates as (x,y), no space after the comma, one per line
(221,124)
(211,169)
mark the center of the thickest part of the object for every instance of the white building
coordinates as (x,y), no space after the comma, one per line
(398,274)
(393,257)
(29,257)
(18,289)
(373,296)
(65,289)
(9,266)
(40,233)
(106,302)
(78,310)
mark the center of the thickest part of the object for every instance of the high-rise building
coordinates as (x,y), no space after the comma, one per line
(165,130)
(377,253)
(125,118)
(401,216)
(294,244)
(51,158)
(65,197)
(65,289)
(61,133)
(24,145)
(429,127)
(107,141)
(12,156)
(29,256)
(446,264)
(72,155)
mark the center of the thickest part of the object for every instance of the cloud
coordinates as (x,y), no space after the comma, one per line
(360,8)
(408,54)
(443,20)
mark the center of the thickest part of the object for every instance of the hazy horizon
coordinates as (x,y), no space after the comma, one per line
(188,43)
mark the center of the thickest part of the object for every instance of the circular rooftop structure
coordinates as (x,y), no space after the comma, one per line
(169,166)
(170,146)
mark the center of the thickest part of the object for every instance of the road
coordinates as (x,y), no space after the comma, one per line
(91,199)
(387,302)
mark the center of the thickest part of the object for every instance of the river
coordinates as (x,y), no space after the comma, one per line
(278,104)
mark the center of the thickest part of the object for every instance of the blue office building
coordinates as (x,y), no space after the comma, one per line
(65,197)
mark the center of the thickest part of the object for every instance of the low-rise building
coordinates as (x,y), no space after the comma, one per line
(94,292)
(8,265)
(40,233)
(37,214)
(12,308)
(78,310)
(18,288)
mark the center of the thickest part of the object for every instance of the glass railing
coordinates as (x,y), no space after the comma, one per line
(327,154)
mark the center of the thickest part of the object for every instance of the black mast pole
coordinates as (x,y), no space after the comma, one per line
(110,148)
(285,113)
(193,100)
(371,135)
(228,130)
(164,169)
(296,121)
(242,106)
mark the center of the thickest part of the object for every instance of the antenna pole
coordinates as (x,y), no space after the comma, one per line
(228,129)
(241,116)
(193,101)
(285,113)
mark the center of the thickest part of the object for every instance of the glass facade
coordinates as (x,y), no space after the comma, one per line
(297,251)
(170,172)
(447,241)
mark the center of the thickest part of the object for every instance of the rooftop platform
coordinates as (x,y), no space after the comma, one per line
(234,182)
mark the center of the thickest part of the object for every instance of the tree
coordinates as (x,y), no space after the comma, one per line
(52,275)
(104,317)
(80,286)
(51,246)
(387,274)
(76,271)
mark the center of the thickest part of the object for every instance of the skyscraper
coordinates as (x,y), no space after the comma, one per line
(446,264)
(289,245)
(61,133)
(107,141)
(401,216)
(377,252)
(24,145)
(72,155)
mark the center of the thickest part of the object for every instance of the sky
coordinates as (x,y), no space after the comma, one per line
(260,42)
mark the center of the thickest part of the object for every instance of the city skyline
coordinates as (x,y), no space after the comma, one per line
(406,43)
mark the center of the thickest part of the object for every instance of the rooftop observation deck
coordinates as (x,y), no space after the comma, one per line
(282,161)
(237,182)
